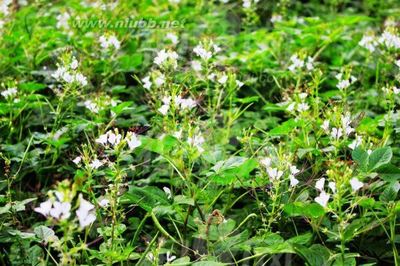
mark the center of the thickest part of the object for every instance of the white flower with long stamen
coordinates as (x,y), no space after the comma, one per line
(61,210)
(164,109)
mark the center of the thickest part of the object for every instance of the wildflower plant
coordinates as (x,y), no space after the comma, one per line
(252,132)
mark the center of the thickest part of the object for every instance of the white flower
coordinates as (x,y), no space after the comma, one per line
(357,142)
(9,93)
(325,125)
(239,83)
(320,184)
(163,56)
(274,173)
(188,104)
(91,106)
(178,134)
(62,20)
(310,63)
(104,203)
(291,107)
(343,84)
(77,160)
(44,208)
(81,79)
(294,170)
(223,79)
(102,139)
(397,62)
(332,186)
(336,133)
(74,64)
(266,162)
(369,42)
(396,90)
(169,257)
(172,37)
(196,65)
(296,63)
(133,141)
(166,100)
(216,48)
(293,181)
(276,18)
(85,212)
(389,40)
(164,109)
(196,141)
(114,139)
(302,107)
(202,53)
(356,184)
(95,164)
(146,82)
(61,210)
(168,192)
(160,80)
(322,199)
(107,42)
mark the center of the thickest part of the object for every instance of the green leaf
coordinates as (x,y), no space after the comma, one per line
(45,233)
(379,157)
(316,255)
(390,192)
(32,86)
(145,197)
(360,156)
(389,172)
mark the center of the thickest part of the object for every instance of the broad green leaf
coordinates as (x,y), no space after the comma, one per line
(360,156)
(379,157)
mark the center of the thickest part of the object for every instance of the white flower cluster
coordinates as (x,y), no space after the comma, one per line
(391,89)
(323,197)
(110,41)
(369,42)
(275,174)
(60,209)
(62,21)
(344,83)
(172,37)
(276,18)
(112,139)
(166,58)
(179,102)
(91,106)
(337,132)
(5,6)
(205,52)
(9,93)
(301,106)
(298,63)
(196,141)
(69,74)
(388,39)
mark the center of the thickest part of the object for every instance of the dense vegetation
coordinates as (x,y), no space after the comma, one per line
(251,132)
